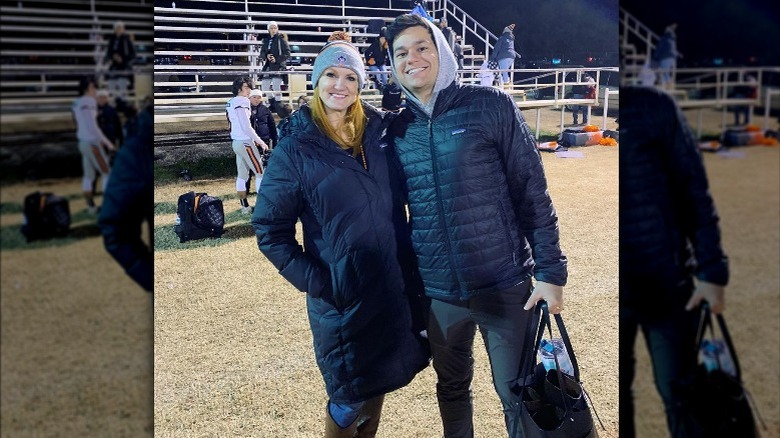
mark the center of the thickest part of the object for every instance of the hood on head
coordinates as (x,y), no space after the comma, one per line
(448,67)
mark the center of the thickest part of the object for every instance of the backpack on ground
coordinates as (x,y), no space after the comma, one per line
(199,216)
(45,216)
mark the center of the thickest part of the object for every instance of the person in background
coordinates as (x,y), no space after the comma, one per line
(666,55)
(483,222)
(449,35)
(120,56)
(108,119)
(274,51)
(302,100)
(671,257)
(458,51)
(376,57)
(330,172)
(91,141)
(245,140)
(262,119)
(504,53)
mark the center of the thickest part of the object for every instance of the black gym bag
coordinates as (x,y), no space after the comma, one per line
(45,216)
(199,216)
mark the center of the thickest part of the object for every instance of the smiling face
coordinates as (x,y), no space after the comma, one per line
(338,89)
(416,61)
(255,100)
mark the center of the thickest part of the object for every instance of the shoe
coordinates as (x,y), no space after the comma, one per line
(247,210)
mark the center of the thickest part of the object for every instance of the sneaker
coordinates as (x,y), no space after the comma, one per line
(247,210)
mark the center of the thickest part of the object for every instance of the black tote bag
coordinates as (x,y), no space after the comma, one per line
(718,401)
(552,403)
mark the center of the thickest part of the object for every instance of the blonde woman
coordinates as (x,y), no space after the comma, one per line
(331,171)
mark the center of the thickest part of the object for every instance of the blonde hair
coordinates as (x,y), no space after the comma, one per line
(350,135)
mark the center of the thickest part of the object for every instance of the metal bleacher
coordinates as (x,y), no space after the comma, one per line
(201,48)
(696,89)
(47,47)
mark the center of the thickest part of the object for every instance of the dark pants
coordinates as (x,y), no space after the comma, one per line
(670,342)
(451,330)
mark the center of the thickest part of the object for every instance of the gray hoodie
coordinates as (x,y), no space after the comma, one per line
(448,67)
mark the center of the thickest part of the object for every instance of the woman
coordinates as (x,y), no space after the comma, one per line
(332,171)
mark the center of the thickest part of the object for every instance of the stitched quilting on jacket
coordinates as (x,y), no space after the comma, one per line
(482,219)
(353,261)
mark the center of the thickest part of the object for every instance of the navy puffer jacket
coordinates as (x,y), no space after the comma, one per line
(668,223)
(482,219)
(355,256)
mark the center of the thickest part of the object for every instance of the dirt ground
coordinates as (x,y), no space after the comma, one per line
(76,331)
(233,349)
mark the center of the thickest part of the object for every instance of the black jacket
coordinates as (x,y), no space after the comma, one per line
(482,219)
(263,122)
(128,201)
(668,223)
(123,46)
(376,52)
(109,122)
(355,264)
(277,46)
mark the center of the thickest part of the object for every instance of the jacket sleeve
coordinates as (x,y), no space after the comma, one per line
(697,214)
(285,55)
(263,49)
(128,195)
(279,205)
(530,198)
(245,122)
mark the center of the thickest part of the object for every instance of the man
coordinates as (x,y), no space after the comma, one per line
(666,54)
(482,221)
(583,91)
(449,35)
(245,139)
(108,118)
(504,53)
(458,51)
(120,55)
(263,124)
(274,51)
(91,141)
(668,235)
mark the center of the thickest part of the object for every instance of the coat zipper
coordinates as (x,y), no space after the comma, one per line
(439,200)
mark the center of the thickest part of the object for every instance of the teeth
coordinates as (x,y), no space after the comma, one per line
(414,70)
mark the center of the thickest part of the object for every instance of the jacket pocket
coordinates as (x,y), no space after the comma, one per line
(508,232)
(344,281)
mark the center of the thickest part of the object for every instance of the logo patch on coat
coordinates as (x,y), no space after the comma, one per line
(458,131)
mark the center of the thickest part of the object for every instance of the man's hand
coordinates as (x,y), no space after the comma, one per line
(271,58)
(110,146)
(117,58)
(549,292)
(261,145)
(710,292)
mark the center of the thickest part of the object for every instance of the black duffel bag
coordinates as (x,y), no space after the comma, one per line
(45,216)
(199,216)
(552,403)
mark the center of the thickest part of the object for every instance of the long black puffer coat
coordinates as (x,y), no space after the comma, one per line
(482,219)
(668,223)
(355,256)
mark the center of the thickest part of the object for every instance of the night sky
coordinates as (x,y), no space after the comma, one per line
(734,30)
(553,28)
